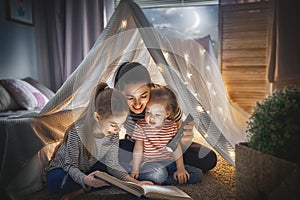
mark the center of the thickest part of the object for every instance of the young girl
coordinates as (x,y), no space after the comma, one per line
(133,79)
(90,140)
(151,160)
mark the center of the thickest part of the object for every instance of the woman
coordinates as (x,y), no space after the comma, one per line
(133,79)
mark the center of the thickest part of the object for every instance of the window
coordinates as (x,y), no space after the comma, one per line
(195,19)
(195,22)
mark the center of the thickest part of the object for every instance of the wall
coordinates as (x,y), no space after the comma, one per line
(22,53)
(288,49)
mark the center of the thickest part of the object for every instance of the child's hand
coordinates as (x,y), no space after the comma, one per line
(145,183)
(94,182)
(182,176)
(134,175)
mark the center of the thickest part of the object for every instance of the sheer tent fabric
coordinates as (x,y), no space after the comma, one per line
(172,59)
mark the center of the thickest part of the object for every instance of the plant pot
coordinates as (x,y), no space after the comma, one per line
(262,176)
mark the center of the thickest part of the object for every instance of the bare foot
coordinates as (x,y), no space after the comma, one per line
(72,195)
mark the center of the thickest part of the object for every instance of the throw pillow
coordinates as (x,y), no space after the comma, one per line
(25,94)
(7,102)
(46,91)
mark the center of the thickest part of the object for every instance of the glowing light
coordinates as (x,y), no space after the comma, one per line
(220,110)
(159,68)
(208,68)
(202,51)
(166,54)
(205,135)
(124,24)
(186,57)
(232,154)
(214,92)
(199,108)
(189,75)
(209,84)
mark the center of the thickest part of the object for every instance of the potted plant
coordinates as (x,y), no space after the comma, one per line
(267,166)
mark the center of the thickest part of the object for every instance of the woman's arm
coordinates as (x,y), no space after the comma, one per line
(188,135)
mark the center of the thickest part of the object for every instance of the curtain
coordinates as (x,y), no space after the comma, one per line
(72,26)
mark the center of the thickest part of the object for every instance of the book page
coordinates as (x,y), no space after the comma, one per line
(150,191)
(130,187)
(164,192)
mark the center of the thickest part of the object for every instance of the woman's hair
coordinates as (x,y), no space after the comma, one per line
(131,72)
(165,96)
(106,102)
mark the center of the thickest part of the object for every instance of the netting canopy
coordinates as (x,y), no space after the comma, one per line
(172,59)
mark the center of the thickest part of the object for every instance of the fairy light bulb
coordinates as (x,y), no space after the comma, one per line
(199,109)
(124,24)
(186,57)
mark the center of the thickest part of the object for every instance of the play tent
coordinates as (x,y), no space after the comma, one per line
(172,59)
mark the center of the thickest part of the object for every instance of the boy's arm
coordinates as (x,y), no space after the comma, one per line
(137,157)
(181,175)
(178,157)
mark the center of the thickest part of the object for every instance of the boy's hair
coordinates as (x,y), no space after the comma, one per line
(165,96)
(131,72)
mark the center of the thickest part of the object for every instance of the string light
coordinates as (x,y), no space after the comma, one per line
(199,109)
(189,75)
(124,24)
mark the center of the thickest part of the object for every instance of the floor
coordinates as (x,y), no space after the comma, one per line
(218,184)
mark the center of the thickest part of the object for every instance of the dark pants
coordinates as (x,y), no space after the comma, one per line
(196,155)
(59,182)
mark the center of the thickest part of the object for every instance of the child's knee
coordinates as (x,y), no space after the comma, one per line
(157,175)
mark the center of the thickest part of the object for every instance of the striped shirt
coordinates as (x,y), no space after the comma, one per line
(155,140)
(71,157)
(133,118)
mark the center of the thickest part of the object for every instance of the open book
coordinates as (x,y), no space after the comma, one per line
(149,191)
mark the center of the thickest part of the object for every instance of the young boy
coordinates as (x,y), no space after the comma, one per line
(151,160)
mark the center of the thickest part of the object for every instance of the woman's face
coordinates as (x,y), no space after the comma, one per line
(137,95)
(110,125)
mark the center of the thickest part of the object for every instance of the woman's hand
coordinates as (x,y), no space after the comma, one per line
(188,135)
(94,182)
(182,176)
